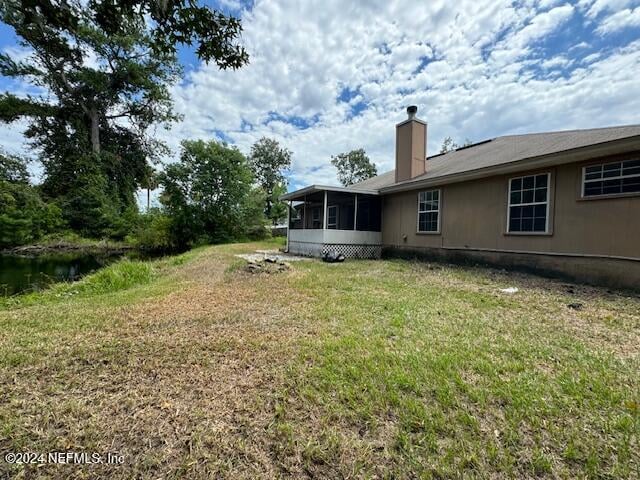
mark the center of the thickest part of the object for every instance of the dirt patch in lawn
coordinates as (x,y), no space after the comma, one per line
(180,385)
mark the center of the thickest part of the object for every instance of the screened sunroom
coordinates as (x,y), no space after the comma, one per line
(343,219)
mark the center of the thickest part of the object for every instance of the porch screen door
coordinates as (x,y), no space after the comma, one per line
(332,217)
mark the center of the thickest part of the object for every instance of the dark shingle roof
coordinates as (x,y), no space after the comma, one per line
(377,182)
(504,150)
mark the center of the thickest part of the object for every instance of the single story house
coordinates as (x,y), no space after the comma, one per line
(564,202)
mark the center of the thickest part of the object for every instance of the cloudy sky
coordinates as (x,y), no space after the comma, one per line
(330,76)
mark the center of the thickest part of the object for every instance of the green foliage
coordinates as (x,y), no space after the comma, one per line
(353,167)
(121,225)
(24,217)
(253,218)
(278,208)
(179,22)
(150,182)
(118,276)
(268,161)
(106,70)
(208,195)
(13,169)
(87,206)
(69,238)
(86,150)
(153,232)
(448,145)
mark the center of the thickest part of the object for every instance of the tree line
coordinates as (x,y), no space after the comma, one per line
(214,193)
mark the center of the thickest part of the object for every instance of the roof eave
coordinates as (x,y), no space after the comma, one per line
(322,188)
(612,147)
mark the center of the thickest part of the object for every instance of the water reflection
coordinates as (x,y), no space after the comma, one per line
(20,274)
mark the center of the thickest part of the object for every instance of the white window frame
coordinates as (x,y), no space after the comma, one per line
(332,226)
(601,179)
(438,211)
(548,204)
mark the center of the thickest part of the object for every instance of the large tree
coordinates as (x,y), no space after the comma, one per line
(209,194)
(353,167)
(104,68)
(269,161)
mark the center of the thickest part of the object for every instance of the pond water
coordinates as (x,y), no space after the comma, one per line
(23,274)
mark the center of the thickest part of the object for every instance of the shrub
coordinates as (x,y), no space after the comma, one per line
(118,276)
(121,225)
(153,232)
(24,216)
(258,232)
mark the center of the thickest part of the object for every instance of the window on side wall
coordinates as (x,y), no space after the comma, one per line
(429,211)
(528,210)
(614,178)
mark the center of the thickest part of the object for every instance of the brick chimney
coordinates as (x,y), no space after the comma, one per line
(411,146)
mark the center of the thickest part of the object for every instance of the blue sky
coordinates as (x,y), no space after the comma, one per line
(330,76)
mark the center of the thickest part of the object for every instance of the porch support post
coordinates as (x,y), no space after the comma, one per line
(355,213)
(324,224)
(304,214)
(288,222)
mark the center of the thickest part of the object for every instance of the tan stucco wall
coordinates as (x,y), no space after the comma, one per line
(410,149)
(474,216)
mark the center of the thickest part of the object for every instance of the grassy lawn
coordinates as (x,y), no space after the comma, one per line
(190,367)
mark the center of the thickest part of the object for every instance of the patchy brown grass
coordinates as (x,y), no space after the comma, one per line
(181,384)
(358,370)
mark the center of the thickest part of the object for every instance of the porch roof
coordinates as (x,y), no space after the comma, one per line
(300,194)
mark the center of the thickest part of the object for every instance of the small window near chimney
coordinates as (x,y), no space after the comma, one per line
(429,211)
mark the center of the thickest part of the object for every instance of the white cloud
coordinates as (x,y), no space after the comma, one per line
(18,53)
(549,3)
(592,57)
(597,7)
(561,61)
(619,20)
(518,43)
(231,4)
(473,67)
(303,54)
(13,140)
(579,46)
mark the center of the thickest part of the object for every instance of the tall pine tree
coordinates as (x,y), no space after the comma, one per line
(104,69)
